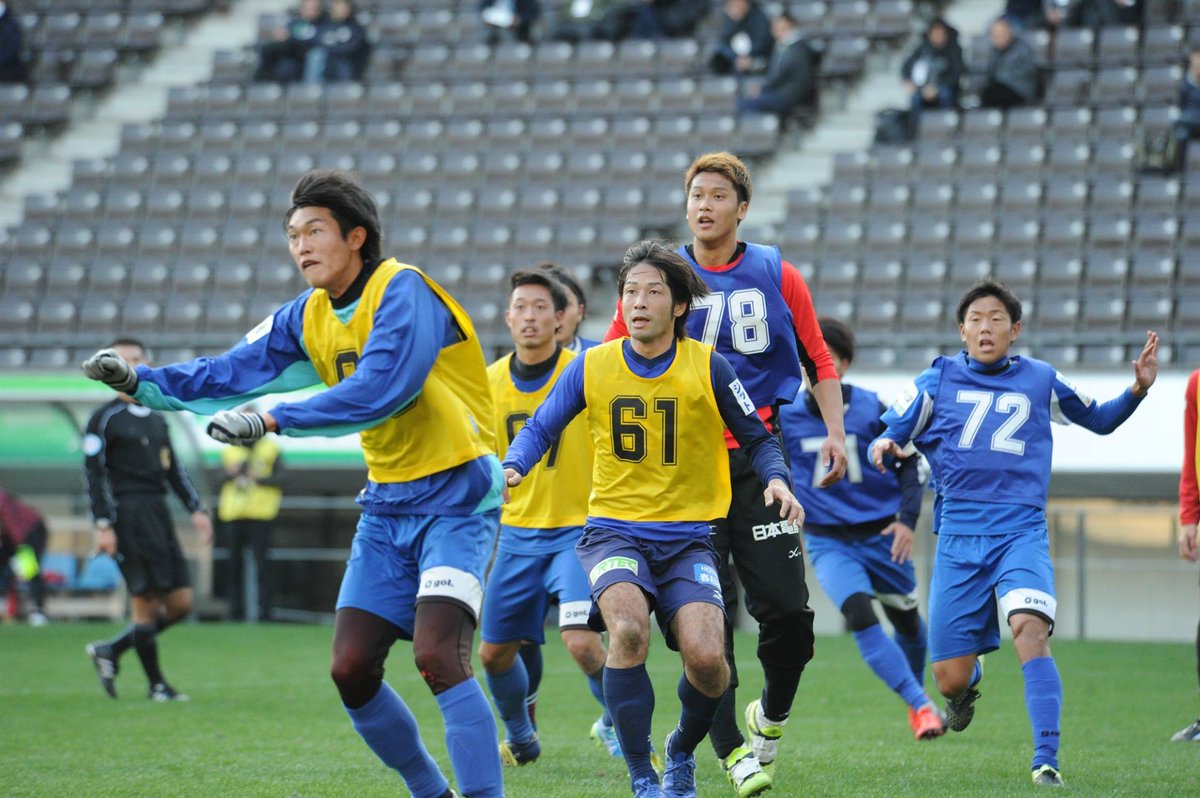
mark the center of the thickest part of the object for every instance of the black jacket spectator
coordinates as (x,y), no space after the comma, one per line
(1012,72)
(743,42)
(933,70)
(344,40)
(1102,13)
(1187,126)
(791,80)
(518,16)
(12,63)
(285,59)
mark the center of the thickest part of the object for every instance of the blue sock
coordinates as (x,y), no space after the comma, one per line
(596,685)
(531,655)
(389,729)
(914,649)
(1043,700)
(471,740)
(695,717)
(976,674)
(508,691)
(889,663)
(629,696)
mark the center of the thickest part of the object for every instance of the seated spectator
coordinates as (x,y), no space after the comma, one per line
(791,80)
(743,41)
(285,59)
(640,19)
(23,538)
(1012,70)
(580,20)
(1030,14)
(1100,13)
(933,70)
(517,16)
(1187,126)
(343,43)
(12,62)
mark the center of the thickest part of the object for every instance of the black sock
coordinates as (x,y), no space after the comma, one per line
(779,691)
(725,734)
(146,642)
(122,642)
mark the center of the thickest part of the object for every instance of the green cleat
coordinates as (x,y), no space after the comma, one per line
(1046,776)
(745,773)
(764,736)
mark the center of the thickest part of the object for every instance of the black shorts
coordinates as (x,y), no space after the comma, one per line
(148,550)
(766,552)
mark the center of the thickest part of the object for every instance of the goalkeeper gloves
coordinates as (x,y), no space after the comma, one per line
(108,367)
(240,429)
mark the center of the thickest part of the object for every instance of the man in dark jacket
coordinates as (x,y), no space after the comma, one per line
(934,68)
(344,40)
(743,41)
(792,77)
(1012,70)
(1187,126)
(284,58)
(12,64)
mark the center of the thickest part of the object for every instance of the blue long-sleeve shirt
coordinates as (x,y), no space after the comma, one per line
(985,430)
(566,400)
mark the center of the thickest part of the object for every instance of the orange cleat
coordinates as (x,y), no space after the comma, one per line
(926,723)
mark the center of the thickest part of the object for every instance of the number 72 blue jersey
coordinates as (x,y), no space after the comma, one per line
(986,429)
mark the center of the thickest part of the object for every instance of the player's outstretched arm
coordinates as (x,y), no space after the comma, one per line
(881,448)
(828,394)
(1145,368)
(789,506)
(902,541)
(108,367)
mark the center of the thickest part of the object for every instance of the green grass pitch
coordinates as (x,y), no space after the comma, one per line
(265,721)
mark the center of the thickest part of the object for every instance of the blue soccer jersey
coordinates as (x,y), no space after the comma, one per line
(865,497)
(985,430)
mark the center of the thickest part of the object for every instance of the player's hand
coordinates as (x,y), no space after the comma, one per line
(106,541)
(240,429)
(833,457)
(789,506)
(203,525)
(108,367)
(902,541)
(512,477)
(881,448)
(1145,368)
(1187,543)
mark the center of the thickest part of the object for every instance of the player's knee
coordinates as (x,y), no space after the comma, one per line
(859,613)
(442,665)
(497,658)
(952,680)
(907,622)
(356,676)
(585,648)
(629,637)
(708,671)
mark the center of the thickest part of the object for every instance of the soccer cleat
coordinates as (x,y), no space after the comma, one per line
(1047,776)
(647,788)
(516,754)
(605,736)
(960,710)
(764,736)
(1189,735)
(926,723)
(745,773)
(680,779)
(37,619)
(106,666)
(163,692)
(656,762)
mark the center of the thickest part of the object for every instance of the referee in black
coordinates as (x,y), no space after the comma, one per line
(129,461)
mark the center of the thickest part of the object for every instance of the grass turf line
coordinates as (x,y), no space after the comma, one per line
(265,721)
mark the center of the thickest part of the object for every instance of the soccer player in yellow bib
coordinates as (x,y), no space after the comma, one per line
(535,558)
(657,406)
(405,370)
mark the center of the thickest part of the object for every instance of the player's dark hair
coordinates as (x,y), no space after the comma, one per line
(348,203)
(126,341)
(989,287)
(838,337)
(558,294)
(568,280)
(726,164)
(685,285)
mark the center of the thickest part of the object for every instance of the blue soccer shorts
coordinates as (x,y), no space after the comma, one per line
(845,567)
(519,590)
(976,575)
(397,561)
(671,574)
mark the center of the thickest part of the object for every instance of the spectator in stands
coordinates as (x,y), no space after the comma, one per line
(743,41)
(12,61)
(791,80)
(580,20)
(933,70)
(22,536)
(1098,13)
(517,16)
(285,59)
(343,43)
(1032,14)
(1012,70)
(247,509)
(1187,126)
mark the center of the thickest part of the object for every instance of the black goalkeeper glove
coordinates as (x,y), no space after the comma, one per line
(108,367)
(240,429)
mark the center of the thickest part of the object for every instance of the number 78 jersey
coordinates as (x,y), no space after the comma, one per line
(986,433)
(746,318)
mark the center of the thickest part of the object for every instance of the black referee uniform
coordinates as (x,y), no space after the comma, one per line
(129,462)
